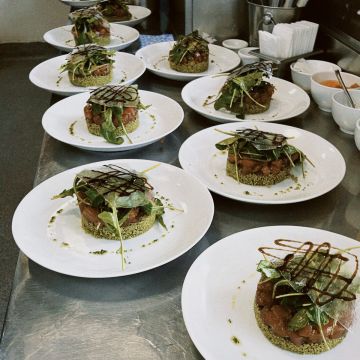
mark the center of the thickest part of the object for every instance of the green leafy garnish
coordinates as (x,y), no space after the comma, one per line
(261,146)
(188,46)
(267,268)
(87,23)
(114,193)
(239,85)
(87,59)
(108,129)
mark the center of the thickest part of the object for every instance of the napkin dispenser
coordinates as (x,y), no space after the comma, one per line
(263,15)
(221,19)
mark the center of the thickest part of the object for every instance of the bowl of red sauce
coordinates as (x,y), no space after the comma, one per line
(325,84)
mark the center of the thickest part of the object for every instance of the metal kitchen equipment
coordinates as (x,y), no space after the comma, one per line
(263,16)
(221,19)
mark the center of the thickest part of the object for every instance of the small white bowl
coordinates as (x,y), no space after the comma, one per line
(246,58)
(357,134)
(302,78)
(322,94)
(344,115)
(235,44)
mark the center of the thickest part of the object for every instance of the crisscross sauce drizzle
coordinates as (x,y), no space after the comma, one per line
(298,266)
(119,180)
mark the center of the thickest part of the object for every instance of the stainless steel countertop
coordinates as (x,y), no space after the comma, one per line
(54,316)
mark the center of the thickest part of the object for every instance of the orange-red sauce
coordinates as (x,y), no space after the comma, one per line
(336,84)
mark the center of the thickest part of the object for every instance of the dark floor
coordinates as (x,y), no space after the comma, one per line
(22,106)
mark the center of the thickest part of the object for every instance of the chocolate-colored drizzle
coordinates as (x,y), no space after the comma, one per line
(129,181)
(300,269)
(113,93)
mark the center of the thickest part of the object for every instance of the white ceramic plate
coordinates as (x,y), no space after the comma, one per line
(56,240)
(155,57)
(199,156)
(219,290)
(121,37)
(79,3)
(127,68)
(139,14)
(288,100)
(161,118)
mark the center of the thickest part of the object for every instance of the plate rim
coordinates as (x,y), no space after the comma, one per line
(220,243)
(112,148)
(77,3)
(68,48)
(182,76)
(185,97)
(134,22)
(260,202)
(72,90)
(120,273)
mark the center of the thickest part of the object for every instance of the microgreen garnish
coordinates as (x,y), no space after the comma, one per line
(114,192)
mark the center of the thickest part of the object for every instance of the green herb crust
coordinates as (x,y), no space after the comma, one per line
(190,67)
(90,80)
(129,127)
(310,349)
(190,54)
(129,231)
(255,179)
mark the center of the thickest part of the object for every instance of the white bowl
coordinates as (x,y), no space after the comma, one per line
(322,94)
(344,115)
(302,78)
(235,44)
(246,58)
(357,134)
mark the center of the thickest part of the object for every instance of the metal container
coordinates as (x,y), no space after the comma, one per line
(264,17)
(222,19)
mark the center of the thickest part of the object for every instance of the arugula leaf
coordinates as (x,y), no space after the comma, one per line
(95,198)
(314,313)
(266,267)
(159,209)
(107,129)
(224,144)
(135,199)
(65,193)
(299,320)
(108,219)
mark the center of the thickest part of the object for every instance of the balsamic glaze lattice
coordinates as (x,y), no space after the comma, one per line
(118,180)
(317,267)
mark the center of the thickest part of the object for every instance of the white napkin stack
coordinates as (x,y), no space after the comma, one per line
(289,40)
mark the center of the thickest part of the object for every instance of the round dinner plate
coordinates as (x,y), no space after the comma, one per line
(288,100)
(219,290)
(162,117)
(199,157)
(138,15)
(49,231)
(156,55)
(80,3)
(46,75)
(122,36)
